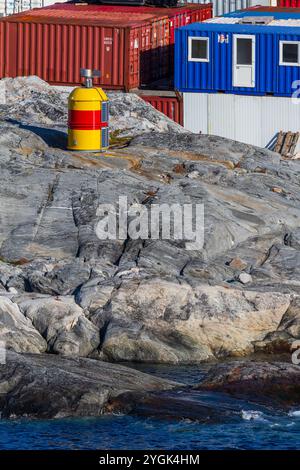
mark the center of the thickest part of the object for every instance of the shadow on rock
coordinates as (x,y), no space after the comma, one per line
(52,137)
(180,404)
(261,382)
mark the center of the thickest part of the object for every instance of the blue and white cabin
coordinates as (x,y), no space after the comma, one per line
(238,74)
(243,53)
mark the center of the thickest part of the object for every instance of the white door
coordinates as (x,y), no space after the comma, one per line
(243,60)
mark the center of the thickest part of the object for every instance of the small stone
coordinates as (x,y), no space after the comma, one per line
(180,168)
(12,290)
(128,272)
(194,174)
(245,278)
(277,190)
(230,165)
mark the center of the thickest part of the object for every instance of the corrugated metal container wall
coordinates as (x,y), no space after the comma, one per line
(128,53)
(2,50)
(216,75)
(178,17)
(220,7)
(254,120)
(288,3)
(171,106)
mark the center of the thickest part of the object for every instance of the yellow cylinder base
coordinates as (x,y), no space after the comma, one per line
(84,140)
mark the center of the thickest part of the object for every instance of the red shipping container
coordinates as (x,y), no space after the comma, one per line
(131,46)
(282,9)
(288,3)
(129,50)
(180,16)
(171,106)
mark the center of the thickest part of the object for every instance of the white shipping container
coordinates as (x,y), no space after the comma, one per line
(254,120)
(10,7)
(221,7)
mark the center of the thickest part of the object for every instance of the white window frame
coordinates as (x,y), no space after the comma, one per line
(202,38)
(288,64)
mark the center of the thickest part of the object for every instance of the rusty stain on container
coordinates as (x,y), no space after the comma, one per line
(171,106)
(131,46)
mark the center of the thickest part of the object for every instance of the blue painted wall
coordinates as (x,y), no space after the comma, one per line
(217,74)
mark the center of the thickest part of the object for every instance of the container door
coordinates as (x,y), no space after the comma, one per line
(244,60)
(134,72)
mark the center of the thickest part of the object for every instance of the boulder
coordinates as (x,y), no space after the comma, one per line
(49,386)
(179,404)
(156,320)
(285,338)
(62,278)
(18,332)
(257,381)
(245,278)
(62,323)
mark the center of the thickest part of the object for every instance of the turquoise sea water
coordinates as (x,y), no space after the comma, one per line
(255,428)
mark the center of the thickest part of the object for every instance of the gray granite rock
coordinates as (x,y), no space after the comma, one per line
(62,278)
(18,332)
(258,381)
(49,246)
(49,386)
(62,323)
(162,321)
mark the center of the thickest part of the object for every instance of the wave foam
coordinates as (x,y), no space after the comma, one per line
(252,415)
(295,413)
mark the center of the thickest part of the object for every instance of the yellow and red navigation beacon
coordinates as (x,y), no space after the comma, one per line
(88,116)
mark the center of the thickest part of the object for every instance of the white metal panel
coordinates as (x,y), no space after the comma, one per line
(279,114)
(290,22)
(249,121)
(254,120)
(236,20)
(223,20)
(195,110)
(220,7)
(221,115)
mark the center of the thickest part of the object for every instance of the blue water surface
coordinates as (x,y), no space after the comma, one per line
(256,427)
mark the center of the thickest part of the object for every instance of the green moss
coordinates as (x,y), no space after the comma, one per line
(115,140)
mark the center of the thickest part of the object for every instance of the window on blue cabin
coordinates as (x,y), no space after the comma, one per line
(244,51)
(289,53)
(198,49)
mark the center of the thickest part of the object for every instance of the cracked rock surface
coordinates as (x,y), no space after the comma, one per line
(48,386)
(65,291)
